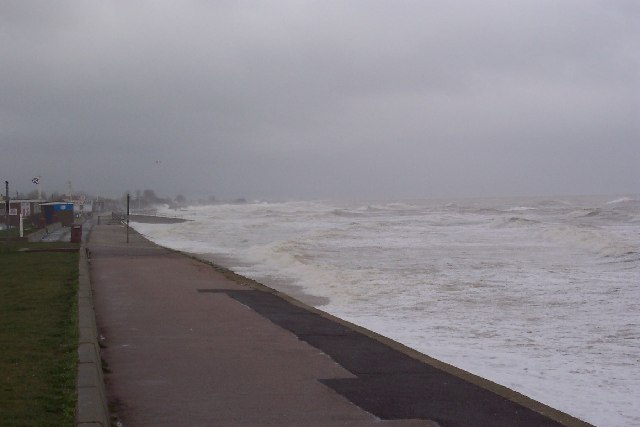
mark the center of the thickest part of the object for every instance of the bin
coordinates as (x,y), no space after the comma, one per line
(76,233)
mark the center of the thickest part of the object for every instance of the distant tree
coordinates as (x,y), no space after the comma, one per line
(180,199)
(115,205)
(33,195)
(149,196)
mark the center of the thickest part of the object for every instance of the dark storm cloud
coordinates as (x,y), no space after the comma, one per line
(321,99)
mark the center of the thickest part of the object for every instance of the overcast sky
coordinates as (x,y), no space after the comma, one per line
(294,99)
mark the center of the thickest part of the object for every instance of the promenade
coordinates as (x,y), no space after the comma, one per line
(186,344)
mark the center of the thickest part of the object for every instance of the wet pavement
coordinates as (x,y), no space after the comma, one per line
(62,234)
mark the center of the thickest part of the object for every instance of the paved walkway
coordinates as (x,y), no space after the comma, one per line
(186,346)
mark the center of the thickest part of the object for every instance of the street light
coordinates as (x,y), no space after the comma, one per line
(6,188)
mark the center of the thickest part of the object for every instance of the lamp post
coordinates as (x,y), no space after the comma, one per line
(6,189)
(128,199)
(36,181)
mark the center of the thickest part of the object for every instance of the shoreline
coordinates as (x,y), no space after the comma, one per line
(498,389)
(290,289)
(154,219)
(295,298)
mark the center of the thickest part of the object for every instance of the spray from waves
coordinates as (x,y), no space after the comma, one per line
(603,243)
(396,207)
(622,200)
(165,235)
(521,209)
(289,259)
(585,213)
(513,221)
(347,213)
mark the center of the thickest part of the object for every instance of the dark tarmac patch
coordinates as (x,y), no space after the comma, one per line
(390,384)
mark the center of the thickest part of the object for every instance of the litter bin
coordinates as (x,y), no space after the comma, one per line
(76,233)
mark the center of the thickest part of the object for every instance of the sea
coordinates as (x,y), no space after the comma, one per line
(541,295)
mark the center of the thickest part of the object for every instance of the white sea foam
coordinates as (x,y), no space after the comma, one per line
(603,242)
(538,295)
(521,208)
(620,200)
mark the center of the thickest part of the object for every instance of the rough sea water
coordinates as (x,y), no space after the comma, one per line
(539,295)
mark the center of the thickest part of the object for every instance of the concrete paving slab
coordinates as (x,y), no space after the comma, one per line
(90,410)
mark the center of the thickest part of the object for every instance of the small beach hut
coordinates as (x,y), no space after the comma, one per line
(58,212)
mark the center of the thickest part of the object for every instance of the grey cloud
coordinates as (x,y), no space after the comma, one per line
(320,99)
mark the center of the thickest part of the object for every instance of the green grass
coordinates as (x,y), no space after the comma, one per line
(15,231)
(38,335)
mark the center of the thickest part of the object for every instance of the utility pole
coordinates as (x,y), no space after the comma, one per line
(6,189)
(36,181)
(128,198)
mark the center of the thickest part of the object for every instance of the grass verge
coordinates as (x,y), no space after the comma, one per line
(38,335)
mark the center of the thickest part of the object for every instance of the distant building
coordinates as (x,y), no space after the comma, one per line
(28,208)
(98,206)
(81,206)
